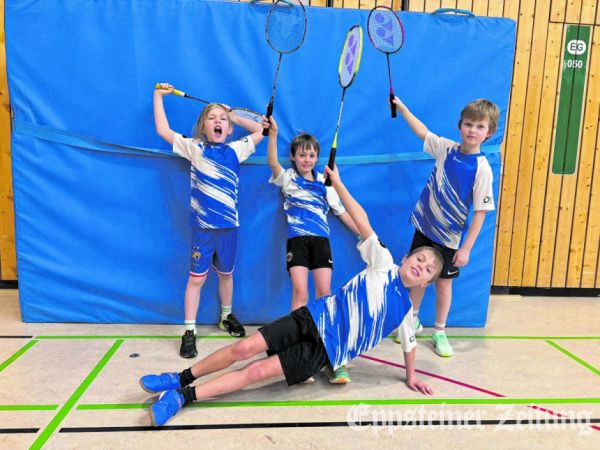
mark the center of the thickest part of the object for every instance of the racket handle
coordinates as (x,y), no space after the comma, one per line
(330,164)
(269,114)
(175,91)
(394,115)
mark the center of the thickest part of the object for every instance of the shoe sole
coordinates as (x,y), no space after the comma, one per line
(188,356)
(340,381)
(152,420)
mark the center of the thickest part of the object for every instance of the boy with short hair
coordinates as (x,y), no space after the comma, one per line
(330,330)
(462,178)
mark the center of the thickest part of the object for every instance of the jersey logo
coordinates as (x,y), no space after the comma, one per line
(412,339)
(487,199)
(452,272)
(289,256)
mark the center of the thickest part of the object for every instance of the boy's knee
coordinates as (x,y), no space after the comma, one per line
(256,372)
(225,276)
(242,350)
(444,285)
(301,293)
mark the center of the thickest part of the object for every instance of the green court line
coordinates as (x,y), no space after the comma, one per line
(28,407)
(70,403)
(379,402)
(125,337)
(573,357)
(218,337)
(17,354)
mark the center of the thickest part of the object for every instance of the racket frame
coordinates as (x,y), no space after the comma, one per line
(290,4)
(387,54)
(333,151)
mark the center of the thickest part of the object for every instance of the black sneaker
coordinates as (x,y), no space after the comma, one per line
(232,326)
(188,345)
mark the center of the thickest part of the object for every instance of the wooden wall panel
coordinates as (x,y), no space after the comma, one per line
(585,170)
(543,145)
(512,137)
(539,19)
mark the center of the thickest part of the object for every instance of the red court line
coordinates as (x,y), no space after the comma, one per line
(468,386)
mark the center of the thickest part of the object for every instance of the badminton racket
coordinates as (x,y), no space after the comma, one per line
(347,70)
(387,35)
(244,113)
(285,32)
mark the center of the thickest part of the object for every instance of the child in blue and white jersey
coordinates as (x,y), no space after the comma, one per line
(461,179)
(327,331)
(306,203)
(215,167)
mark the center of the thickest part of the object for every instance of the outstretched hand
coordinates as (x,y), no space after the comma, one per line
(333,175)
(164,88)
(419,386)
(271,125)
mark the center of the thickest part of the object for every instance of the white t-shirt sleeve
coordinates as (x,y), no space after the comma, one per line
(334,202)
(406,332)
(243,148)
(283,179)
(483,195)
(375,254)
(437,146)
(185,147)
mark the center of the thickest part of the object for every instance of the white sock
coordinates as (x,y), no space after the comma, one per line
(439,327)
(190,325)
(415,314)
(225,311)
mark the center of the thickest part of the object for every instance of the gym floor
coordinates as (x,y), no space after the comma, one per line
(529,379)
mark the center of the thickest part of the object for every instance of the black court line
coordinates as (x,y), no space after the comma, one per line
(16,337)
(19,430)
(391,423)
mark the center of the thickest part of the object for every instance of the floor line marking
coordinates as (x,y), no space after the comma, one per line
(70,403)
(362,424)
(377,402)
(17,354)
(28,407)
(573,357)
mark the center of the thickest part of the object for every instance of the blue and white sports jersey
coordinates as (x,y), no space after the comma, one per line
(458,181)
(366,309)
(214,179)
(306,203)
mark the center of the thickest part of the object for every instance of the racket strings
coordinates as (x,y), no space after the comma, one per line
(350,58)
(385,30)
(286,27)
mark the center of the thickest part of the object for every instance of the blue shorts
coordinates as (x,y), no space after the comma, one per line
(213,246)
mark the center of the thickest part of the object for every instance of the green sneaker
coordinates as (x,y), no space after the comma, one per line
(339,376)
(441,345)
(416,325)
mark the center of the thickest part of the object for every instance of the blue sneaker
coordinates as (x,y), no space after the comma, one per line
(169,404)
(158,383)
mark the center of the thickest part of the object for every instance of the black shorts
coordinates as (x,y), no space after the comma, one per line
(449,270)
(313,252)
(295,340)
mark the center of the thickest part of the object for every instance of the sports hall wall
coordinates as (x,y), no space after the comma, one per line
(101,218)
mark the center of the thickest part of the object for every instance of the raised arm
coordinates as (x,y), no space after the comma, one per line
(356,212)
(346,219)
(251,126)
(415,124)
(272,149)
(160,117)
